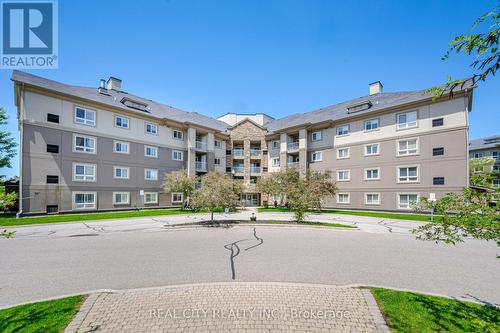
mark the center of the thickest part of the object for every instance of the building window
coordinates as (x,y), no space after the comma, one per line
(84,172)
(317,156)
(496,168)
(228,169)
(121,198)
(495,154)
(217,161)
(177,197)
(122,122)
(407,201)
(343,130)
(276,162)
(437,122)
(408,174)
(372,174)
(54,149)
(177,155)
(121,147)
(407,147)
(84,116)
(52,179)
(478,155)
(150,197)
(84,200)
(178,135)
(276,144)
(343,175)
(372,198)
(150,151)
(496,182)
(342,153)
(150,174)
(438,181)
(121,172)
(151,129)
(407,120)
(437,151)
(316,136)
(343,198)
(218,144)
(52,209)
(372,149)
(52,118)
(84,144)
(371,124)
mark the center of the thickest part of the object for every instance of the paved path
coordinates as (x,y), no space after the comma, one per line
(233,307)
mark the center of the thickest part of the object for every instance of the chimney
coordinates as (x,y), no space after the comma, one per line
(102,83)
(376,88)
(114,84)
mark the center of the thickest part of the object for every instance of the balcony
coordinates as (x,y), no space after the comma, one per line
(200,145)
(293,164)
(238,153)
(293,145)
(201,166)
(254,170)
(238,169)
(255,153)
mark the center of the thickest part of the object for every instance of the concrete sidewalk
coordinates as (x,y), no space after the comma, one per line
(231,307)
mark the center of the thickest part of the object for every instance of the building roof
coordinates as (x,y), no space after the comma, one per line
(485,143)
(114,98)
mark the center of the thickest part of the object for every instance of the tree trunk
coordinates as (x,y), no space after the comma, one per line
(212,215)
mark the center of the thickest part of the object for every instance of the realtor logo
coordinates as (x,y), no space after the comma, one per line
(29,34)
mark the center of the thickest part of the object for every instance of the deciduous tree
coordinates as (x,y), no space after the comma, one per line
(179,181)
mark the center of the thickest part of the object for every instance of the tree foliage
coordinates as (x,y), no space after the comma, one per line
(483,45)
(464,214)
(268,185)
(179,181)
(7,143)
(481,172)
(7,199)
(217,191)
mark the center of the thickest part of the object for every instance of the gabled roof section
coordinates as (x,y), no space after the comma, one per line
(114,99)
(247,120)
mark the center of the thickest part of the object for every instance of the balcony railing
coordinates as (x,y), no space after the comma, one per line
(293,145)
(238,152)
(254,169)
(200,145)
(238,169)
(255,152)
(293,164)
(201,166)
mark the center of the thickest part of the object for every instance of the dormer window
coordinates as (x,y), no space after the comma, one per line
(365,105)
(134,104)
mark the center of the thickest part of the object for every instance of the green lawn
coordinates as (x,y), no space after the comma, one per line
(411,312)
(397,216)
(49,316)
(10,220)
(322,224)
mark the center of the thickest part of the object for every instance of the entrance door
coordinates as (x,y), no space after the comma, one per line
(249,199)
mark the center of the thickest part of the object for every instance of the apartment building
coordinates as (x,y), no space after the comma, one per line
(101,148)
(487,147)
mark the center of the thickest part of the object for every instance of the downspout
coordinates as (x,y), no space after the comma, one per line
(468,101)
(21,127)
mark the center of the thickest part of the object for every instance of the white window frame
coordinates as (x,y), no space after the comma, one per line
(369,169)
(121,167)
(152,171)
(151,202)
(153,148)
(343,157)
(217,159)
(85,177)
(121,193)
(116,117)
(417,150)
(122,143)
(398,198)
(408,177)
(84,121)
(348,175)
(372,203)
(342,202)
(86,206)
(276,144)
(342,126)
(176,194)
(316,153)
(369,121)
(407,125)
(495,182)
(372,144)
(151,125)
(274,164)
(217,143)
(178,152)
(85,149)
(316,136)
(181,135)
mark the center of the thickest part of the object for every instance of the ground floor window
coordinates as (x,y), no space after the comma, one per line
(151,197)
(121,198)
(176,197)
(343,198)
(407,200)
(372,198)
(84,200)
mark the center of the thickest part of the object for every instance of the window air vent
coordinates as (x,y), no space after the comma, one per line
(103,91)
(134,104)
(361,106)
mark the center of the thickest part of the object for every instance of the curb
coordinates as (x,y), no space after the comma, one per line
(375,311)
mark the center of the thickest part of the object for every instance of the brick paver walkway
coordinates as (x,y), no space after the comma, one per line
(231,307)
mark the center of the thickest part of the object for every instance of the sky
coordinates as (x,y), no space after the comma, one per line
(275,57)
